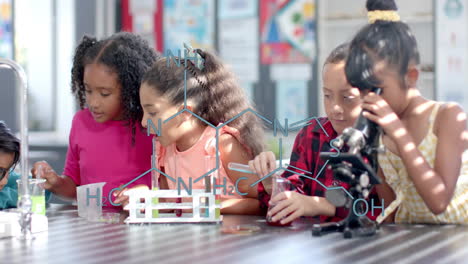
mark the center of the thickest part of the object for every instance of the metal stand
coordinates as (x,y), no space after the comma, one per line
(351,168)
(356,224)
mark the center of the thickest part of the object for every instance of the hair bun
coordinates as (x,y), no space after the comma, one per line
(384,10)
(381,5)
(387,15)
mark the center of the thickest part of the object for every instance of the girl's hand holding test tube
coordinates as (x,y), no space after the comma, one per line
(263,164)
(43,170)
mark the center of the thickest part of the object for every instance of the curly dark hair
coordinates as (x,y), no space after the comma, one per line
(214,90)
(129,56)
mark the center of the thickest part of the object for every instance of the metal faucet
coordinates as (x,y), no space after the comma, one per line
(25,203)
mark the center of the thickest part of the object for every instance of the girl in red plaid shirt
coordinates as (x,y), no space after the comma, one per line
(342,107)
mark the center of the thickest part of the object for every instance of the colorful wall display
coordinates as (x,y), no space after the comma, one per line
(6,29)
(287,29)
(188,21)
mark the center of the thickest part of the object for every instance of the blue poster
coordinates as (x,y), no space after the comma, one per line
(188,21)
(291,100)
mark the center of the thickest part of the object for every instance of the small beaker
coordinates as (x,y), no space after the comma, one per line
(279,185)
(89,199)
(37,194)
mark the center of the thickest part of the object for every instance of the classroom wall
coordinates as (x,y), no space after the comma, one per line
(42,148)
(85,20)
(8,99)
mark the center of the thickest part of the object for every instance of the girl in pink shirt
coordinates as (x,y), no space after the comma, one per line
(106,141)
(187,142)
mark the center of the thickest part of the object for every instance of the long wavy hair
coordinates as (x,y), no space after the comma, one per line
(215,93)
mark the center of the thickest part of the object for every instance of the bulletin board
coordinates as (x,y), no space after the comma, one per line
(238,40)
(189,21)
(270,45)
(451,51)
(144,18)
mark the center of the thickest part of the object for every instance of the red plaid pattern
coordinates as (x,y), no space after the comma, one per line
(305,156)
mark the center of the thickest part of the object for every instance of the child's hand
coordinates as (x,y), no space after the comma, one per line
(380,112)
(263,163)
(289,205)
(122,198)
(43,170)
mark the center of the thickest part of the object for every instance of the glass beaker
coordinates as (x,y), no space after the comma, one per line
(279,185)
(89,199)
(37,193)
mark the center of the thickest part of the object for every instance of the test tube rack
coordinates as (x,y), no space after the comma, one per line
(151,206)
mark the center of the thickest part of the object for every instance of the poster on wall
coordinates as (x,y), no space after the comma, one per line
(6,29)
(144,17)
(238,37)
(237,8)
(451,51)
(288,92)
(284,72)
(188,21)
(287,31)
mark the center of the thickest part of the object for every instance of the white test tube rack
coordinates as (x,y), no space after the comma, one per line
(204,206)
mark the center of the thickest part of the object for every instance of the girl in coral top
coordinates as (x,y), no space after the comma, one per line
(186,146)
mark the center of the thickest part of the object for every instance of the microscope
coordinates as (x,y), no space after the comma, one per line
(357,167)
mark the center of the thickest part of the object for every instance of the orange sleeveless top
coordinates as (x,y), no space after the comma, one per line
(196,161)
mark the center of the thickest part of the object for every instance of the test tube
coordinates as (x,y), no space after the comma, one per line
(240,167)
(208,166)
(178,212)
(40,174)
(154,164)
